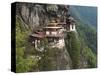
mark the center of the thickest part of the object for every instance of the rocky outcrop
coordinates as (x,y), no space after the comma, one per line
(55,59)
(40,14)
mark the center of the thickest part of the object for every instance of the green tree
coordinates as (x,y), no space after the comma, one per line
(90,57)
(44,63)
(23,63)
(73,47)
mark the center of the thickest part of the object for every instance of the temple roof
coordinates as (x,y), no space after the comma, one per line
(37,36)
(42,36)
(55,27)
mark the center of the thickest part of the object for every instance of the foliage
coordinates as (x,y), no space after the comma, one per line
(73,47)
(50,58)
(90,57)
(23,64)
(44,63)
(89,35)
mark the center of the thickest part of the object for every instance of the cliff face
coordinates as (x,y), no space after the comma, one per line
(31,14)
(36,15)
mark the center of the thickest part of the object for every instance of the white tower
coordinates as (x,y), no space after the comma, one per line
(70,24)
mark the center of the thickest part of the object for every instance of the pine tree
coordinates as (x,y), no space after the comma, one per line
(73,47)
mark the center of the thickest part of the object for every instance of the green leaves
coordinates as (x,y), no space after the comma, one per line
(24,62)
(91,57)
(73,47)
(79,50)
(89,35)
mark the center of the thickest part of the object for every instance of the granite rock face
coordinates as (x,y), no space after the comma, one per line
(40,14)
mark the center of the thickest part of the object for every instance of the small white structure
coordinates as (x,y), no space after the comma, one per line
(72,27)
(70,22)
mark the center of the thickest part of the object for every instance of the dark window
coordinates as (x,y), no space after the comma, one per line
(72,26)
